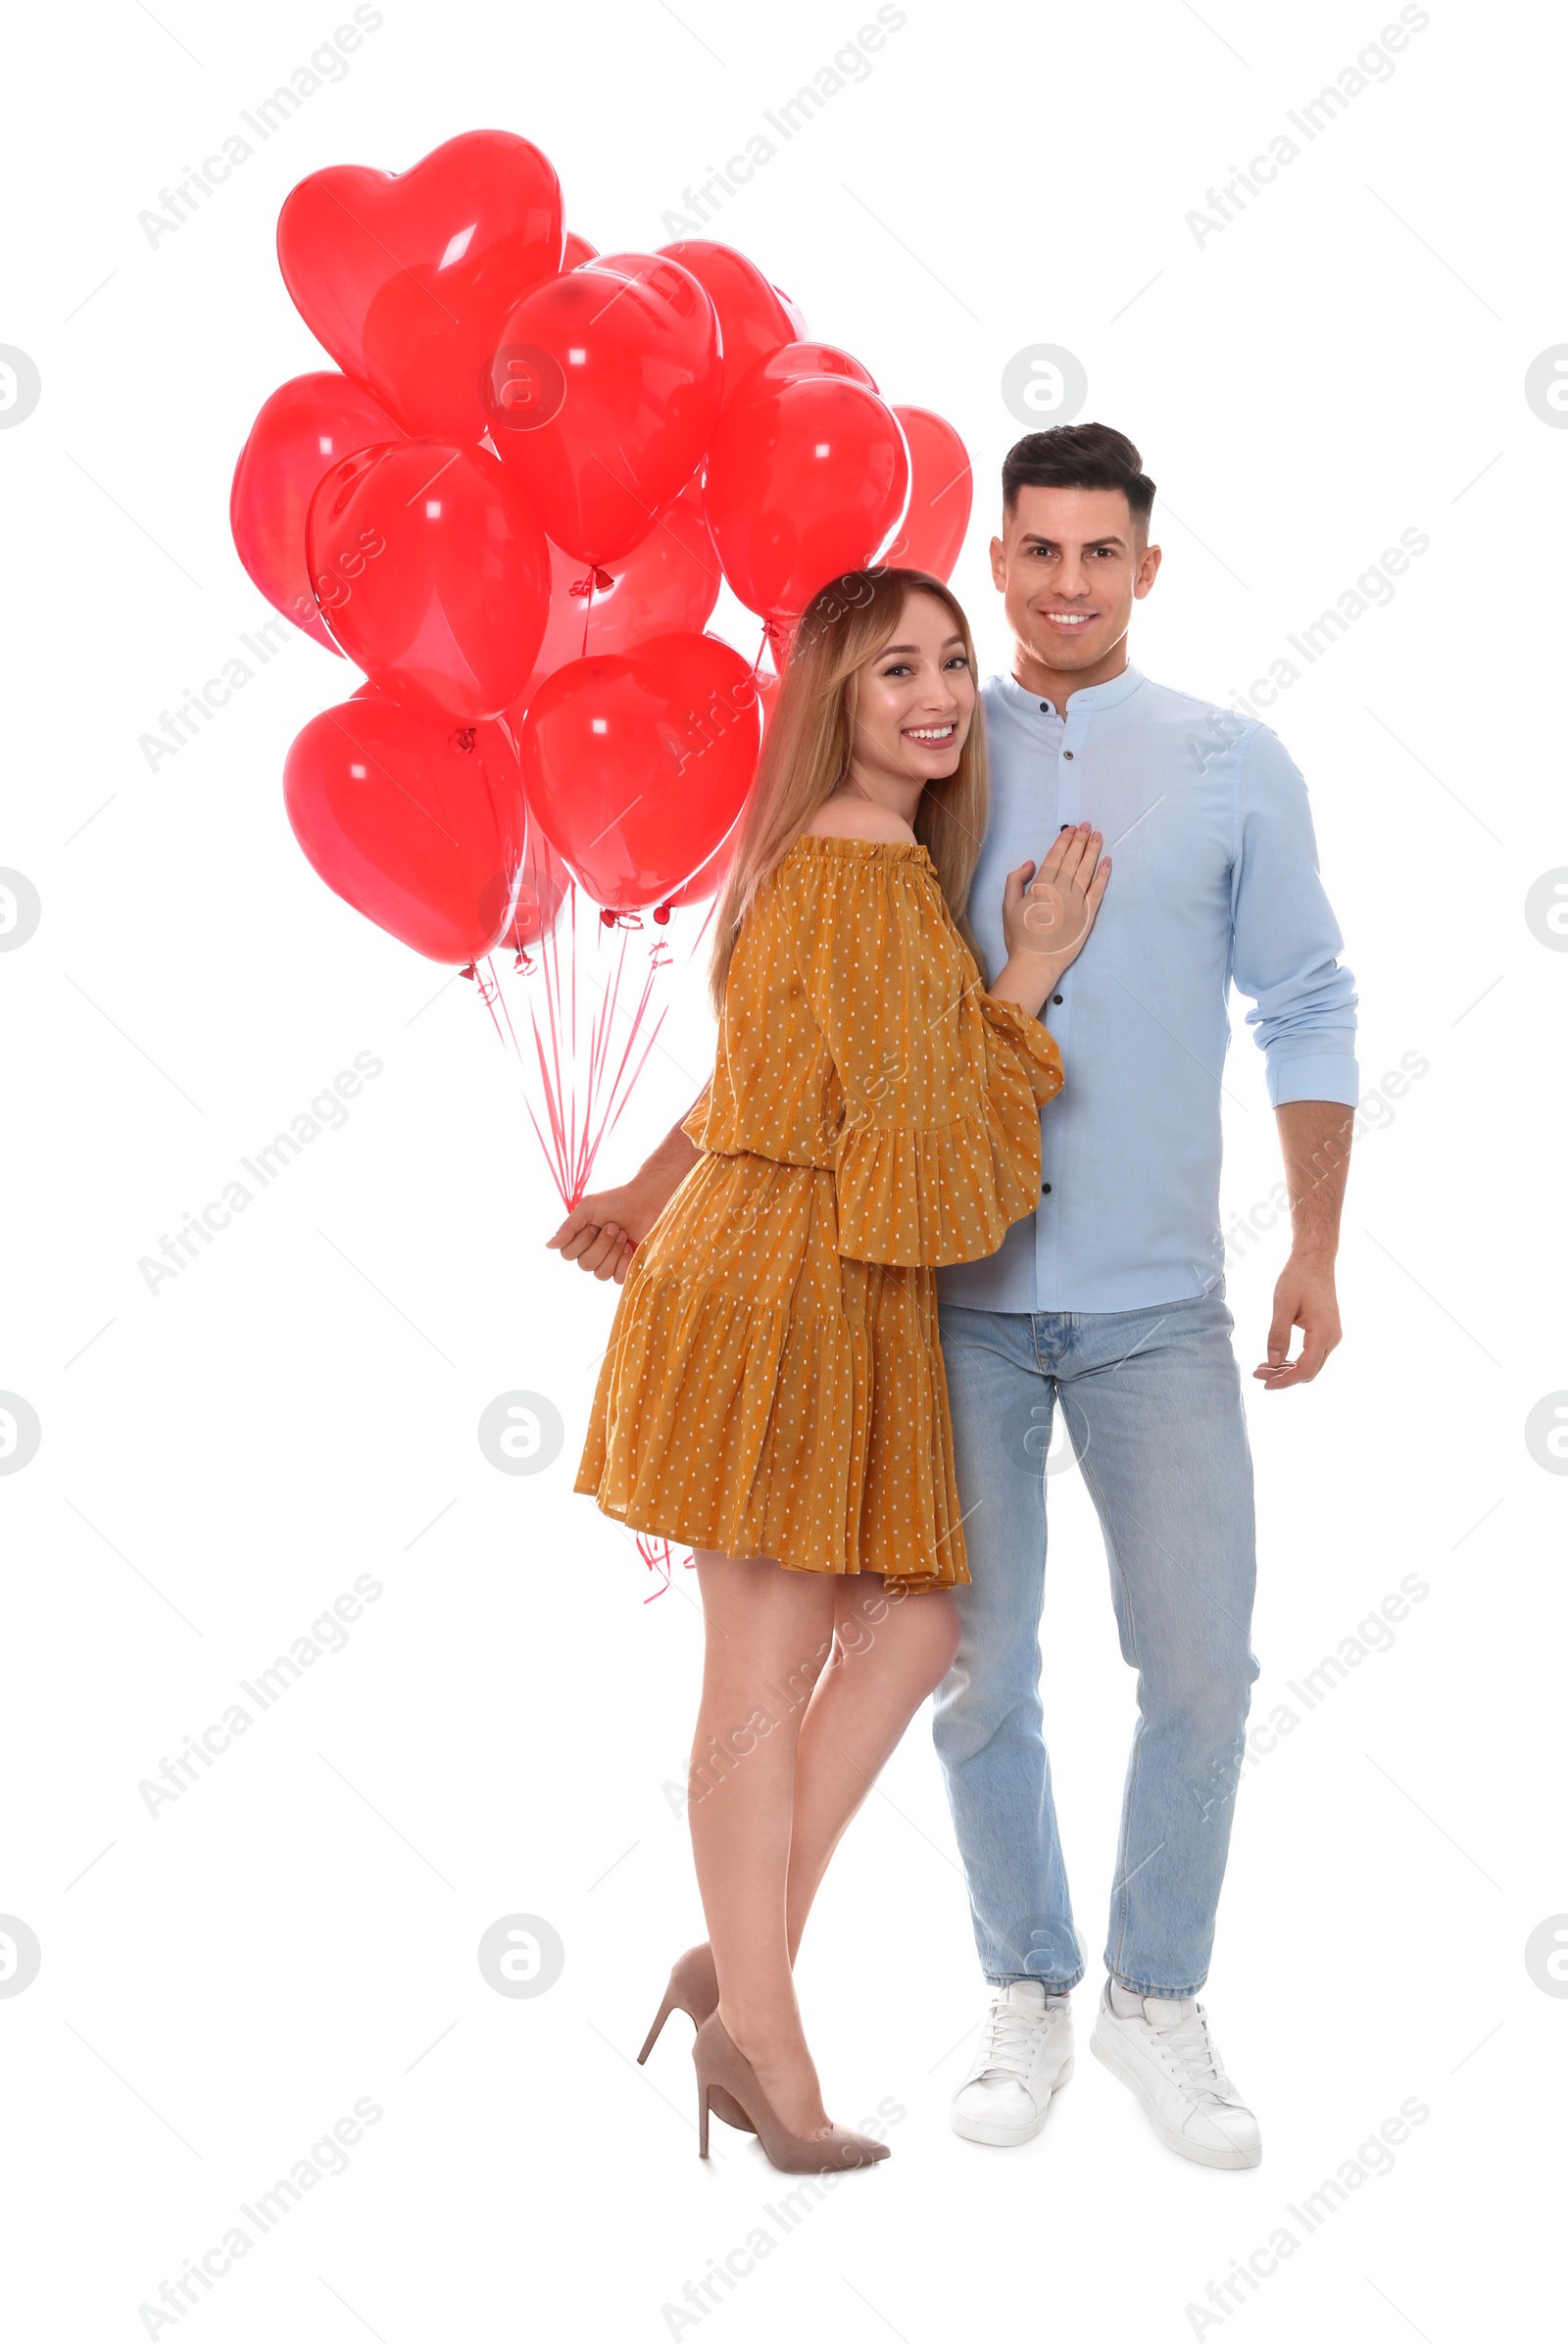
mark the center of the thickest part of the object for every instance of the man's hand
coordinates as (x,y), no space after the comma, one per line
(1315,1141)
(1304,1297)
(604,1231)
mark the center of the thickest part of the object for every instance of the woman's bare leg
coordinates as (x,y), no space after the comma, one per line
(890,1649)
(808,1682)
(769,1635)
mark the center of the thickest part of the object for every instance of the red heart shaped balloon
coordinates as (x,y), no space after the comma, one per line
(796,315)
(307,427)
(791,359)
(804,480)
(406,276)
(941,492)
(754,317)
(704,884)
(602,394)
(667,585)
(636,764)
(432,574)
(563,638)
(419,823)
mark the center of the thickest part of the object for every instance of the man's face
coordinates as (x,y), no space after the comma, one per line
(1070,563)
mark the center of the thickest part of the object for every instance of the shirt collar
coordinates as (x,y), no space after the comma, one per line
(1092,695)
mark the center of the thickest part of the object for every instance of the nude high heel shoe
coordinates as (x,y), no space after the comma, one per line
(694,1989)
(722,2070)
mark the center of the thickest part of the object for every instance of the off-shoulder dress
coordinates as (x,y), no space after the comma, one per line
(773,1384)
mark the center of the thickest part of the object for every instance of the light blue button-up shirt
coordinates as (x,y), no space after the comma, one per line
(1214,877)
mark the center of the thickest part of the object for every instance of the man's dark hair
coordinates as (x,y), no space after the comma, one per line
(1078,455)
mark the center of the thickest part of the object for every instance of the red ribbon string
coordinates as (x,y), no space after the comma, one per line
(592,580)
(658,1555)
(708,915)
(586,1056)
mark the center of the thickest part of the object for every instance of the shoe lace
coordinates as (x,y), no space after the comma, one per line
(1190,2049)
(1010,2036)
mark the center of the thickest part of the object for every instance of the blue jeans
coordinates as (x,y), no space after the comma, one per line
(1152,1405)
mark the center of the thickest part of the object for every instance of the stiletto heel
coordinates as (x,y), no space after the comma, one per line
(657,2027)
(722,2067)
(694,1989)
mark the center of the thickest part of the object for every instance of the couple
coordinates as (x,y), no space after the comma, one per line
(882,1133)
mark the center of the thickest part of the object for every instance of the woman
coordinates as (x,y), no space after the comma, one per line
(773,1393)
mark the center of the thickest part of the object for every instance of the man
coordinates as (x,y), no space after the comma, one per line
(1109,1298)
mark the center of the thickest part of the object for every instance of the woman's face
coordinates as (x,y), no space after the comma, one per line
(914,701)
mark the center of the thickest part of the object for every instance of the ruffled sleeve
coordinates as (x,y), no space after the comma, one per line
(950,1191)
(695,1122)
(937,1151)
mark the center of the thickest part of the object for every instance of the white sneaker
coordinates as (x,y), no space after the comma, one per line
(1026,2055)
(1169,2059)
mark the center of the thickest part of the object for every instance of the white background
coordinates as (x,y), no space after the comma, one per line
(299,1929)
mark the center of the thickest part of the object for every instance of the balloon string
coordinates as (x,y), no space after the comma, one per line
(658,1555)
(512,1030)
(556,1090)
(712,906)
(488,987)
(559,1145)
(611,1096)
(570,1152)
(655,1554)
(594,577)
(585,1079)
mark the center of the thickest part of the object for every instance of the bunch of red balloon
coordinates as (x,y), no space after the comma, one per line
(513,509)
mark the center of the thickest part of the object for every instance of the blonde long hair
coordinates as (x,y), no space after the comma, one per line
(807,754)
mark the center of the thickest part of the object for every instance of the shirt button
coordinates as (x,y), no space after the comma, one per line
(1055,997)
(1045,1188)
(1067,754)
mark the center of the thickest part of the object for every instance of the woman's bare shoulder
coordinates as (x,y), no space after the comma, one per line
(857,817)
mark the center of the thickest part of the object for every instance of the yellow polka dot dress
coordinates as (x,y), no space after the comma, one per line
(773,1384)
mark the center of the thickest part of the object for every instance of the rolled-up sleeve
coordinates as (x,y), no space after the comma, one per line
(1284,953)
